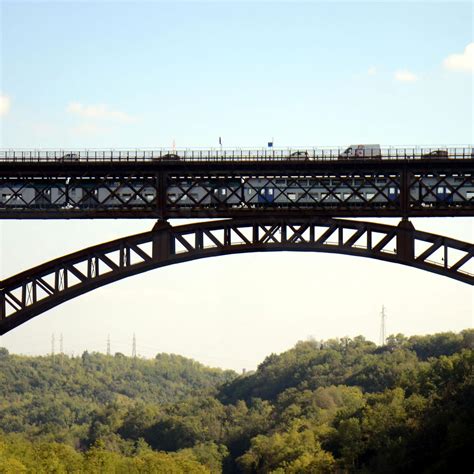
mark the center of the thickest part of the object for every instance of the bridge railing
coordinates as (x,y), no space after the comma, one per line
(233,154)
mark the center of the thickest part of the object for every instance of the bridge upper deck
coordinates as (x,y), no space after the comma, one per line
(320,154)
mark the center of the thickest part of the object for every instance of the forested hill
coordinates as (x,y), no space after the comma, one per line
(342,405)
(352,362)
(60,394)
(102,378)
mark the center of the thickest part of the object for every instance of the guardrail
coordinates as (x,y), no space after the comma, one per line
(233,154)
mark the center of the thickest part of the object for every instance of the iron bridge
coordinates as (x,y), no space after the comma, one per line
(272,201)
(400,183)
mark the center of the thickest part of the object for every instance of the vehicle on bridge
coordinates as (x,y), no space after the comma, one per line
(436,154)
(167,156)
(299,155)
(361,152)
(69,157)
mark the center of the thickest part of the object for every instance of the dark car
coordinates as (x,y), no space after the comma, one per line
(170,156)
(69,157)
(436,154)
(299,155)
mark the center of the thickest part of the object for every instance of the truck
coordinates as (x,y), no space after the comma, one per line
(354,152)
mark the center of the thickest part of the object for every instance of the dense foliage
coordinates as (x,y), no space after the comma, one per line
(322,407)
(62,396)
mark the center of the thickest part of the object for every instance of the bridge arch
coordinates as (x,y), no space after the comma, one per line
(41,288)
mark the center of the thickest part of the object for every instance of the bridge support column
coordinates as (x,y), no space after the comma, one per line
(405,182)
(161,240)
(161,191)
(406,240)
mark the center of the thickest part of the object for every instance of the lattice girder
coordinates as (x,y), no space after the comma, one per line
(340,189)
(38,289)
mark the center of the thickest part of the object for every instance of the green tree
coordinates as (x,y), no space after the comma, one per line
(290,452)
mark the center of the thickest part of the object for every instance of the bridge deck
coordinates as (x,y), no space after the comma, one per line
(36,184)
(458,152)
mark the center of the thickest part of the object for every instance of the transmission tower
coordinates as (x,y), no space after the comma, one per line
(108,344)
(61,344)
(383,316)
(134,346)
(52,344)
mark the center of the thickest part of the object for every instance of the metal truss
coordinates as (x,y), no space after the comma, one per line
(224,190)
(84,192)
(38,289)
(306,191)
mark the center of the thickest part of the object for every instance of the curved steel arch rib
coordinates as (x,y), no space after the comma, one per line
(38,289)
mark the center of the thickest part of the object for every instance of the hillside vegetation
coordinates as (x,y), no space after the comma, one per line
(60,396)
(335,406)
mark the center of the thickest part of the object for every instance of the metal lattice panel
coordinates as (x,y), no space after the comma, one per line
(436,189)
(34,291)
(79,192)
(343,190)
(283,192)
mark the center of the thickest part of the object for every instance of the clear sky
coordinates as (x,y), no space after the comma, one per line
(145,74)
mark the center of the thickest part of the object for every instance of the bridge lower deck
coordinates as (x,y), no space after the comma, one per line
(226,188)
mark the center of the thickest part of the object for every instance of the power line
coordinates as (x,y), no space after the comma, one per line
(382,326)
(134,346)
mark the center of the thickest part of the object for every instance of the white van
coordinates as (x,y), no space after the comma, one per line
(361,151)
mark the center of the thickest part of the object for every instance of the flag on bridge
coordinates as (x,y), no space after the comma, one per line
(270,144)
(220,141)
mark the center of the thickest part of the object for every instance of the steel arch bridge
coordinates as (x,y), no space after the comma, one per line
(41,288)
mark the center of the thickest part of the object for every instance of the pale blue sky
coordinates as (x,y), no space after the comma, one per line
(244,71)
(142,74)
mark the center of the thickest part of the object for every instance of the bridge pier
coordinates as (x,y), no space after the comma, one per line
(406,240)
(161,242)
